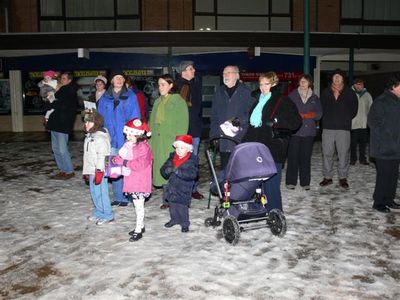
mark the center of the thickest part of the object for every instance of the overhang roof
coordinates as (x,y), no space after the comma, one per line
(334,45)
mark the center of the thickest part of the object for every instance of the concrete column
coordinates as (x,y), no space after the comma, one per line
(317,76)
(17,110)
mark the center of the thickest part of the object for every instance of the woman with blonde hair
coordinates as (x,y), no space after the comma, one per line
(272,112)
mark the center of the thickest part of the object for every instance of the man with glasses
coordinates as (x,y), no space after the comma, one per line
(231,101)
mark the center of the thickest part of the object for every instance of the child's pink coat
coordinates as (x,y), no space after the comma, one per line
(139,180)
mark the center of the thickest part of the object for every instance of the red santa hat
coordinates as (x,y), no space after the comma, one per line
(137,127)
(50,73)
(184,141)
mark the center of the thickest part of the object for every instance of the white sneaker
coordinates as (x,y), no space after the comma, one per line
(290,186)
(103,221)
(92,219)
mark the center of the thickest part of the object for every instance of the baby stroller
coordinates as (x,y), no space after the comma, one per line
(243,206)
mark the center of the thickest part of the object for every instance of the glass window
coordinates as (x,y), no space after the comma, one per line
(51,7)
(253,7)
(242,23)
(128,24)
(90,25)
(89,8)
(382,10)
(51,26)
(351,28)
(204,22)
(280,6)
(128,7)
(382,29)
(351,9)
(205,6)
(280,23)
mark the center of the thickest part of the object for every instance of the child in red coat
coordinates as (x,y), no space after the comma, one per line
(137,182)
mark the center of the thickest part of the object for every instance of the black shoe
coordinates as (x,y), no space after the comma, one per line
(382,209)
(394,205)
(185,229)
(133,231)
(169,224)
(364,162)
(343,183)
(164,206)
(326,182)
(352,163)
(123,203)
(115,203)
(135,237)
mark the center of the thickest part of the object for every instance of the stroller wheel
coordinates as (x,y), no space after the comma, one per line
(208,222)
(277,222)
(231,230)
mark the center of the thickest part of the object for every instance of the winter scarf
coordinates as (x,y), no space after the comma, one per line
(160,114)
(337,90)
(256,115)
(178,161)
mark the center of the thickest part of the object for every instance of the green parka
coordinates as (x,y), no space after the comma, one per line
(163,134)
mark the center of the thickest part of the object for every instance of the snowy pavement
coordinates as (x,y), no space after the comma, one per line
(336,246)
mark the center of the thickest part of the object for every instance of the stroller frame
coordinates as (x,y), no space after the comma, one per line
(232,226)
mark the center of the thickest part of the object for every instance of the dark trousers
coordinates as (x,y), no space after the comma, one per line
(179,214)
(387,175)
(359,137)
(272,189)
(299,160)
(224,159)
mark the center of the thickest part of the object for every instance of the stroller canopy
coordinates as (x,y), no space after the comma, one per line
(250,161)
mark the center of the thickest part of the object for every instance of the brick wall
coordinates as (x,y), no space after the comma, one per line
(24,15)
(324,15)
(167,15)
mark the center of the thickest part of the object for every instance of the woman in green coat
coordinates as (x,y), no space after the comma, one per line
(168,119)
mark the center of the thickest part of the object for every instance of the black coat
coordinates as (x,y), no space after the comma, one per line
(337,114)
(287,117)
(383,121)
(180,180)
(196,108)
(65,108)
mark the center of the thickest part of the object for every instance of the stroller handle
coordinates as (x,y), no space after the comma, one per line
(223,137)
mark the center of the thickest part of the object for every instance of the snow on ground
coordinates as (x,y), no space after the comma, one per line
(336,246)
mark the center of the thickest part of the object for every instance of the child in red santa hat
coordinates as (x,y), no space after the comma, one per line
(136,156)
(181,171)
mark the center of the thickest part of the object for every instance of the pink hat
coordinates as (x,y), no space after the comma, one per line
(185,141)
(136,127)
(50,73)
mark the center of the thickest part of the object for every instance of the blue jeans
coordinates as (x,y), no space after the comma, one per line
(196,146)
(117,184)
(101,199)
(272,189)
(59,145)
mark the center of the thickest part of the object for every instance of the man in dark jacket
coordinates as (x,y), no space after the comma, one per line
(232,100)
(383,121)
(61,123)
(339,106)
(189,87)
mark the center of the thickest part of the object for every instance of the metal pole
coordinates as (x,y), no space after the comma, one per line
(306,52)
(351,66)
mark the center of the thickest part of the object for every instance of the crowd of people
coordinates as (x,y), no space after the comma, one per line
(160,149)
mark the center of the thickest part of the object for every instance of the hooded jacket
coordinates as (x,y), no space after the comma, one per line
(117,112)
(95,149)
